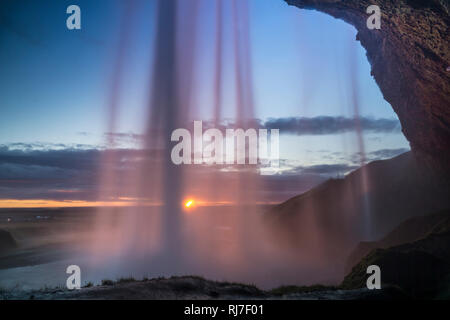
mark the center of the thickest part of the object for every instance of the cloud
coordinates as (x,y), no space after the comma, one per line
(63,159)
(386,153)
(324,170)
(320,125)
(69,173)
(330,125)
(47,173)
(329,169)
(125,136)
(75,174)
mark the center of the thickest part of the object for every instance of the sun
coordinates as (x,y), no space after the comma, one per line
(189,203)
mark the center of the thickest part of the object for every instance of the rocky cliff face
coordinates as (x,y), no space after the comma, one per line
(333,217)
(409,56)
(411,230)
(421,268)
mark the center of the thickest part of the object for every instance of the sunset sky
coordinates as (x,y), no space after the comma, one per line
(55,82)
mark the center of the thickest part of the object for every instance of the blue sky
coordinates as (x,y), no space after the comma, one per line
(55,82)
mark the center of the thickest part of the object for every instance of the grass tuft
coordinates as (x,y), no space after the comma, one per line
(126,280)
(285,290)
(107,282)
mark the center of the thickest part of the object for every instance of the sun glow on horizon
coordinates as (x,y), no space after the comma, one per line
(44,203)
(120,202)
(189,203)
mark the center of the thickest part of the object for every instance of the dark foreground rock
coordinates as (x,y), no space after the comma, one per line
(415,256)
(411,230)
(421,268)
(7,242)
(191,287)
